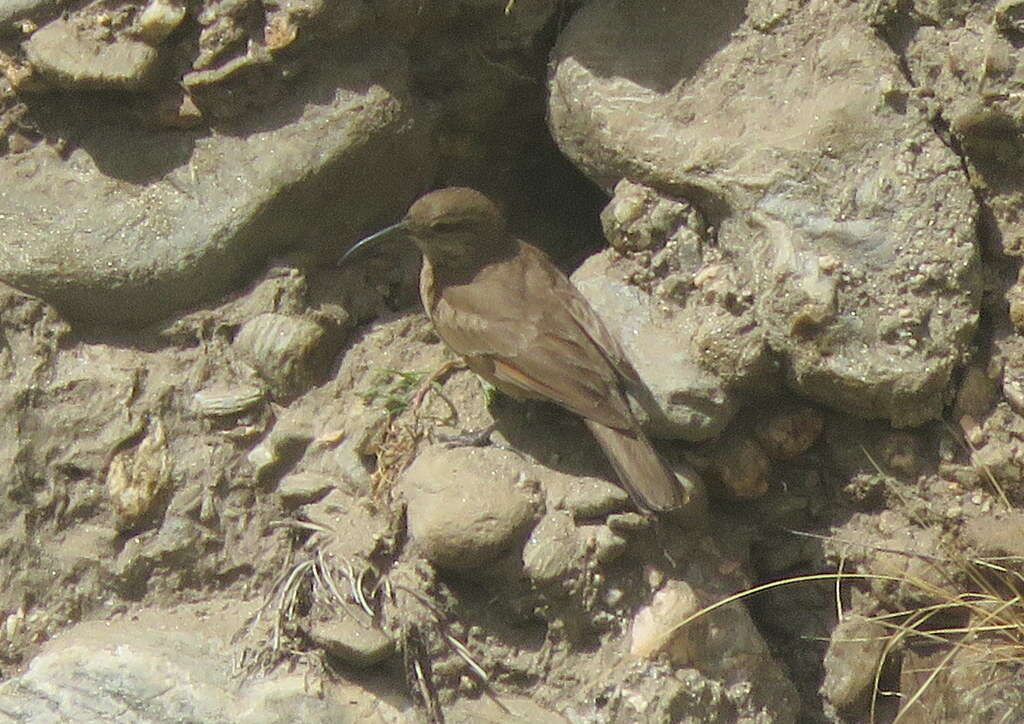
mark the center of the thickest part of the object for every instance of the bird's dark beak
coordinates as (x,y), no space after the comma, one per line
(392,232)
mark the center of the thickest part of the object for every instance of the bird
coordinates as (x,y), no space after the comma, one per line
(518,322)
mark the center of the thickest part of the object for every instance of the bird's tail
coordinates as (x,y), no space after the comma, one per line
(646,477)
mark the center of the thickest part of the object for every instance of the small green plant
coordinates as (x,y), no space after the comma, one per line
(393,390)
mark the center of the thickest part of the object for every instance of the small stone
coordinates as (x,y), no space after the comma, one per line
(282,447)
(585,498)
(1013,390)
(282,348)
(852,660)
(159,19)
(553,549)
(20,15)
(742,466)
(628,523)
(279,33)
(789,430)
(301,488)
(467,506)
(656,628)
(354,642)
(68,57)
(226,400)
(136,477)
(638,218)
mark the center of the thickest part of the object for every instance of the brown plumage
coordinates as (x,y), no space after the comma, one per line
(520,324)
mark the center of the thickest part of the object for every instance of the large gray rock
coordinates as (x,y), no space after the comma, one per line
(824,179)
(136,223)
(163,667)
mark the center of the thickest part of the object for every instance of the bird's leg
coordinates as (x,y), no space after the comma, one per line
(436,376)
(480,438)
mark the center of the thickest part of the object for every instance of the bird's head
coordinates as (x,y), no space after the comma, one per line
(453,227)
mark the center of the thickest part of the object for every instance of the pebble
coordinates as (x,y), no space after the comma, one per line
(466,506)
(358,643)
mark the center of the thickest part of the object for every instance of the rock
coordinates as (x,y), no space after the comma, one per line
(628,523)
(283,348)
(301,488)
(584,498)
(789,430)
(638,218)
(137,477)
(864,273)
(994,536)
(983,118)
(90,676)
(740,465)
(281,448)
(1015,298)
(977,393)
(685,401)
(161,667)
(558,549)
(353,642)
(656,627)
(159,19)
(137,223)
(606,544)
(553,550)
(227,400)
(1013,389)
(467,506)
(852,660)
(73,56)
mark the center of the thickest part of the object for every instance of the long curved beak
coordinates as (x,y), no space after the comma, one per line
(388,233)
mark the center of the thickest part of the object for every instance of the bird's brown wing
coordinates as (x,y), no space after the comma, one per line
(523,326)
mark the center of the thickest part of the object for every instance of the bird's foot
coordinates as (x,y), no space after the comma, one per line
(434,379)
(472,438)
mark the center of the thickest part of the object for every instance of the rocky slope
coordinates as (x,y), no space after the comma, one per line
(226,492)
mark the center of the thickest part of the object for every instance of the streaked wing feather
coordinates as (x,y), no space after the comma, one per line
(534,347)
